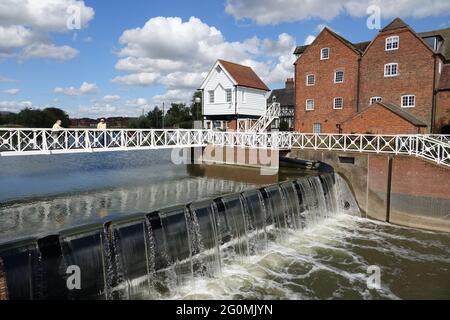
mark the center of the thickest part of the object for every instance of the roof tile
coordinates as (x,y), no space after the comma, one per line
(244,75)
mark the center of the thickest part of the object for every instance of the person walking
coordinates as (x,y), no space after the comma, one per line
(101,125)
(102,135)
(55,132)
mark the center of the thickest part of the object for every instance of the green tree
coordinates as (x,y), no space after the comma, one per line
(35,118)
(51,115)
(139,123)
(155,117)
(178,115)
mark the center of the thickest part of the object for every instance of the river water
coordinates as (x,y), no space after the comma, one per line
(330,259)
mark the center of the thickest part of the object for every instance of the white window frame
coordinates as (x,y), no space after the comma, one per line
(390,41)
(390,65)
(307,79)
(408,96)
(335,75)
(322,55)
(342,103)
(375,100)
(317,125)
(306,105)
(212,98)
(228,95)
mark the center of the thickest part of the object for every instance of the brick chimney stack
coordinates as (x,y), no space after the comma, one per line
(289,83)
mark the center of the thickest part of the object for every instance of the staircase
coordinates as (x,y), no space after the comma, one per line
(272,112)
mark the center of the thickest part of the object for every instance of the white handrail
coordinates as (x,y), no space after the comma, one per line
(272,112)
(25,141)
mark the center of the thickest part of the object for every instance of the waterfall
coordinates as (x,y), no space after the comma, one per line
(150,254)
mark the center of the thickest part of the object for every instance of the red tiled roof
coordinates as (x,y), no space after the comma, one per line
(243,75)
(444,82)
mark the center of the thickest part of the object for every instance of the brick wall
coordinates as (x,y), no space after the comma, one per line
(442,109)
(416,71)
(379,120)
(325,90)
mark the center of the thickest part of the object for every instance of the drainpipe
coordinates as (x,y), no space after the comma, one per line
(295,96)
(433,101)
(358,83)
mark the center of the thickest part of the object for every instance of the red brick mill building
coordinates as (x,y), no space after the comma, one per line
(397,83)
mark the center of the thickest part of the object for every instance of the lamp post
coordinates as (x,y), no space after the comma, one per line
(197,100)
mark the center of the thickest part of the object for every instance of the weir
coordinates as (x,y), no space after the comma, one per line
(148,254)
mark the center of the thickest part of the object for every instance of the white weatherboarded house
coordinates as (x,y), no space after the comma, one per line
(233,97)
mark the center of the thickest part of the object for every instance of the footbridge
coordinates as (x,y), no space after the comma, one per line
(27,141)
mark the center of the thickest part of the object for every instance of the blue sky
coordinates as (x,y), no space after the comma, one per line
(129,56)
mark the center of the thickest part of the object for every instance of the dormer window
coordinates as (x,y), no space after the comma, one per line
(325,54)
(392,43)
(433,42)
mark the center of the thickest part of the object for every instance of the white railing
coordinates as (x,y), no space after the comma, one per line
(44,141)
(272,112)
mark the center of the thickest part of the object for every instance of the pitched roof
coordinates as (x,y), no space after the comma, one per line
(394,25)
(284,96)
(395,109)
(444,82)
(358,47)
(243,75)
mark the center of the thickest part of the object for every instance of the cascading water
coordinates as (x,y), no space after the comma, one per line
(151,255)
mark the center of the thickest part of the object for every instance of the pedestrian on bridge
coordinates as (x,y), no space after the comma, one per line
(55,132)
(102,138)
(101,125)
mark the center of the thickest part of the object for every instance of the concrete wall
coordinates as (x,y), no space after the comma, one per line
(418,194)
(259,158)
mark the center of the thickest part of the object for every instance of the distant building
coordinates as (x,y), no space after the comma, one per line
(83,123)
(397,83)
(233,97)
(286,98)
(111,122)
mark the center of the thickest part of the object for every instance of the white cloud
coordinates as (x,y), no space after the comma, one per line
(309,39)
(48,51)
(111,98)
(177,54)
(173,96)
(26,27)
(272,12)
(137,79)
(85,88)
(12,91)
(109,106)
(7,80)
(139,102)
(15,106)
